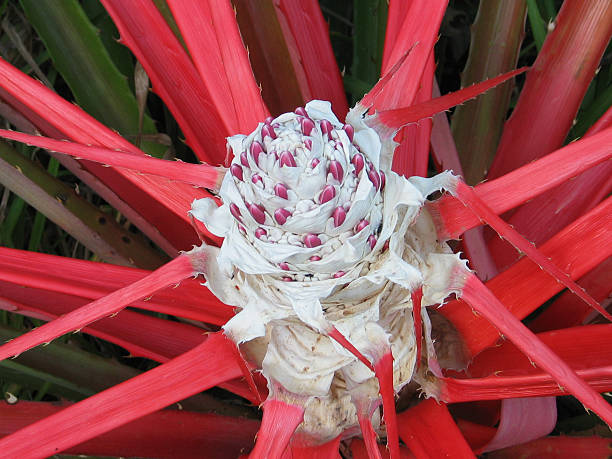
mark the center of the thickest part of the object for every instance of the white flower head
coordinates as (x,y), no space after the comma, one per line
(321,234)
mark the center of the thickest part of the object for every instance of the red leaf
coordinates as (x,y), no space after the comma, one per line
(567,311)
(429,431)
(312,53)
(173,75)
(199,369)
(91,280)
(525,183)
(156,206)
(484,302)
(554,88)
(279,421)
(196,174)
(471,200)
(420,22)
(524,286)
(171,273)
(562,447)
(164,434)
(212,36)
(399,117)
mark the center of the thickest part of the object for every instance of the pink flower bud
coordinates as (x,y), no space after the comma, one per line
(236,171)
(328,193)
(286,159)
(358,162)
(281,215)
(339,216)
(312,240)
(257,212)
(336,170)
(281,191)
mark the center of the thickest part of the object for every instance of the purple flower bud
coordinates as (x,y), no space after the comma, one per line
(339,274)
(308,143)
(307,125)
(281,191)
(315,258)
(286,159)
(257,212)
(281,215)
(336,170)
(235,211)
(236,171)
(328,193)
(268,131)
(372,241)
(260,232)
(256,178)
(314,163)
(358,162)
(243,159)
(361,225)
(312,240)
(284,266)
(326,128)
(374,178)
(256,149)
(350,131)
(339,216)
(301,111)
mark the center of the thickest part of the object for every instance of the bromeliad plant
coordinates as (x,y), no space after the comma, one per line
(331,259)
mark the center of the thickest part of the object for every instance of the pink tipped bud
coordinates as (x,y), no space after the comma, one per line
(314,163)
(235,211)
(236,171)
(326,128)
(328,193)
(284,266)
(386,245)
(257,212)
(383,180)
(243,159)
(241,228)
(260,232)
(256,149)
(312,240)
(287,279)
(361,225)
(358,162)
(256,178)
(268,131)
(336,170)
(269,120)
(281,215)
(307,125)
(286,159)
(350,131)
(374,178)
(372,241)
(315,258)
(301,111)
(308,143)
(339,216)
(281,191)
(339,274)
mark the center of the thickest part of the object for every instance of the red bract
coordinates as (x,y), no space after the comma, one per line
(209,88)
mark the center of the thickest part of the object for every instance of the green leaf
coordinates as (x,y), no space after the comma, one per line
(81,58)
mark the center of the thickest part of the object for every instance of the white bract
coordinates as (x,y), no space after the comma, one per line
(321,234)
